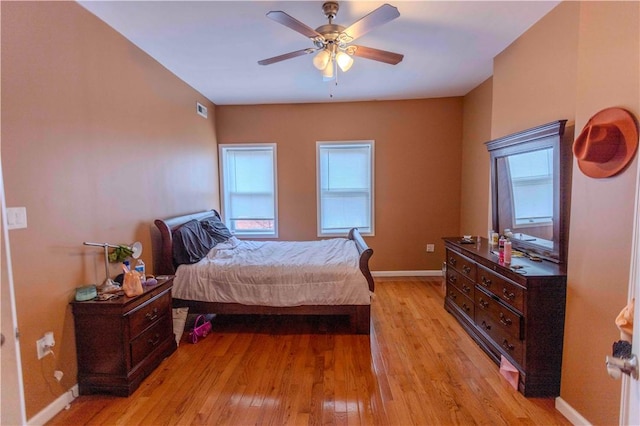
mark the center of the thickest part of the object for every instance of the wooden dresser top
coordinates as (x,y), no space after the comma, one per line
(520,267)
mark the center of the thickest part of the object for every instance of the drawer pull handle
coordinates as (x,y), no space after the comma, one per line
(155,340)
(485,281)
(508,346)
(466,288)
(466,269)
(452,295)
(452,261)
(507,295)
(486,326)
(465,307)
(453,279)
(151,316)
(504,320)
(483,303)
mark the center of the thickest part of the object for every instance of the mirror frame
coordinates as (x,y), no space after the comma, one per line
(556,135)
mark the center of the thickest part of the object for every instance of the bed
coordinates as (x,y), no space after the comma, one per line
(347,292)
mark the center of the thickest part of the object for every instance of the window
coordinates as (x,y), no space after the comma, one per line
(345,187)
(248,176)
(532,186)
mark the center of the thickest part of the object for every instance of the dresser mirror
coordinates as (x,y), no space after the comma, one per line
(530,189)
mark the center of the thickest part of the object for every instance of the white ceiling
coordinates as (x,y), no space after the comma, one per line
(214,46)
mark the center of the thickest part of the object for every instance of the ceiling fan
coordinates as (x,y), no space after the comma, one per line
(332,42)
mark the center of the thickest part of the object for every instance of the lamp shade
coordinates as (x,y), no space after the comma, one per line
(321,59)
(344,61)
(327,72)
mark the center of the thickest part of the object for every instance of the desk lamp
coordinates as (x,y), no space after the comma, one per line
(109,286)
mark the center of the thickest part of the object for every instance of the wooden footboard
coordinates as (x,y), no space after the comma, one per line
(365,255)
(360,315)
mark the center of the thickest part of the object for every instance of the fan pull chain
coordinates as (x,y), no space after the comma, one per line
(332,84)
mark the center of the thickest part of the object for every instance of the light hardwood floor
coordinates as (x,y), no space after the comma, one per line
(417,367)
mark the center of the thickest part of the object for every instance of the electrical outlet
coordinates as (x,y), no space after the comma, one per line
(45,344)
(431,248)
(43,349)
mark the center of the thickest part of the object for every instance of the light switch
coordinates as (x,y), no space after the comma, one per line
(16,217)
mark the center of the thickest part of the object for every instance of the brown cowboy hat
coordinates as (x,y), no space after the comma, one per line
(607,143)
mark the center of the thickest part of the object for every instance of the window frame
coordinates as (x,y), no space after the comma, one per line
(544,180)
(320,144)
(222,149)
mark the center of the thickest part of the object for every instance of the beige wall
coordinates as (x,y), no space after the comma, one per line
(97,140)
(475,200)
(602,211)
(534,79)
(577,60)
(417,170)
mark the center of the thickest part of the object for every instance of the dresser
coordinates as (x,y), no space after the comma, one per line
(121,341)
(513,310)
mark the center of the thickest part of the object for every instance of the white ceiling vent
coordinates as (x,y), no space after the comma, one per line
(201,109)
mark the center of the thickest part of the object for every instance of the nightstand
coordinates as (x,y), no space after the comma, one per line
(121,341)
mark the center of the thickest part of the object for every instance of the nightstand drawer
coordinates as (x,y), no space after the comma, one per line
(121,341)
(151,339)
(149,313)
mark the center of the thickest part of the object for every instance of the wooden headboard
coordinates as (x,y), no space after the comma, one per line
(165,265)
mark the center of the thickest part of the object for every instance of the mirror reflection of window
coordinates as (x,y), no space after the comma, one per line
(532,187)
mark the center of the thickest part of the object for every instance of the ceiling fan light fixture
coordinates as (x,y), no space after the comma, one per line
(331,41)
(327,72)
(344,61)
(321,60)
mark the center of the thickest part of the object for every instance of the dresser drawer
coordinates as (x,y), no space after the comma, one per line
(462,301)
(465,266)
(501,337)
(507,320)
(505,290)
(147,342)
(462,283)
(149,313)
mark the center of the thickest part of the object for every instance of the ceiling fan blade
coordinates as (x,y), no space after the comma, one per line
(381,15)
(286,56)
(377,54)
(291,22)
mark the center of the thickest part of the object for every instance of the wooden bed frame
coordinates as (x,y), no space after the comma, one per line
(359,315)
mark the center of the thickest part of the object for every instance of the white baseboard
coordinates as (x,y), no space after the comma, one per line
(54,408)
(436,273)
(570,413)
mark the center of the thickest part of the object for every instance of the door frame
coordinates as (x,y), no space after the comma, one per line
(630,389)
(13,409)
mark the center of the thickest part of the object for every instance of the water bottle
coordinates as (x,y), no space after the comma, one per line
(140,269)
